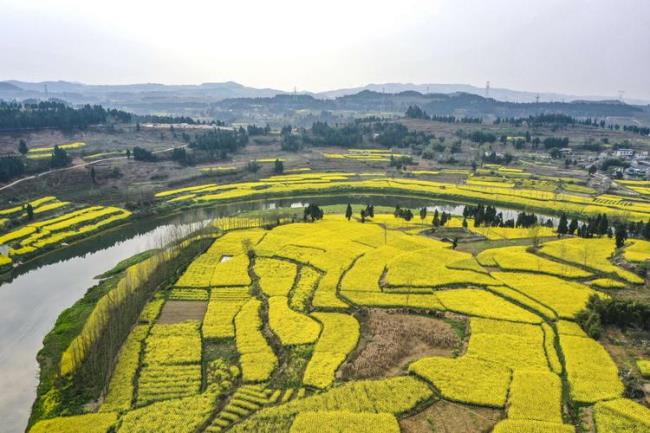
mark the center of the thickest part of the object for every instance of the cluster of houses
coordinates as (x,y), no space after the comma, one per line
(639,161)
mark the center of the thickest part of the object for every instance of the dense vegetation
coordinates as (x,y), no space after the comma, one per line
(220,143)
(618,312)
(109,310)
(52,114)
(11,167)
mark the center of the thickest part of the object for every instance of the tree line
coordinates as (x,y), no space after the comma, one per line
(53,114)
(220,143)
(415,112)
(487,216)
(623,313)
(600,226)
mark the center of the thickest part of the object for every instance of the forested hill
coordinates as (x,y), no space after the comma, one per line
(59,115)
(459,104)
(53,114)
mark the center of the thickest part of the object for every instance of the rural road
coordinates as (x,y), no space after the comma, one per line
(84,164)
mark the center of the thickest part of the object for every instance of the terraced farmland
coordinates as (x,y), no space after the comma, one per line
(285,325)
(52,223)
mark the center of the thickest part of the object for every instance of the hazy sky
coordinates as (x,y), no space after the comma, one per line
(584,47)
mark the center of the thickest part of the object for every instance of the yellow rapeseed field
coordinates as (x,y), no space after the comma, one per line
(286,316)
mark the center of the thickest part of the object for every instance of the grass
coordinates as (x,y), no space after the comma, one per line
(296,360)
(477,247)
(68,325)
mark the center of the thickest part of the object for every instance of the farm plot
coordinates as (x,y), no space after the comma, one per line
(528,196)
(518,259)
(171,364)
(590,253)
(41,234)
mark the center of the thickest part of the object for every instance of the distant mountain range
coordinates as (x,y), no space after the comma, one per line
(234,102)
(506,95)
(457,104)
(210,92)
(107,92)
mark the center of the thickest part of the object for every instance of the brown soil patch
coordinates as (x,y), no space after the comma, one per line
(448,417)
(587,420)
(179,311)
(395,339)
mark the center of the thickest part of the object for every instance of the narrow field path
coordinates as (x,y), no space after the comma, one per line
(80,165)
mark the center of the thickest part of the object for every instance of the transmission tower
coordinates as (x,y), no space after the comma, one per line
(620,95)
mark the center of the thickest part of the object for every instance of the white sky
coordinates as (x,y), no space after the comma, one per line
(583,47)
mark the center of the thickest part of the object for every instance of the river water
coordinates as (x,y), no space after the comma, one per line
(32,299)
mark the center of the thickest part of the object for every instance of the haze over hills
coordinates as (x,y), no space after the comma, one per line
(218,91)
(73,90)
(500,94)
(236,103)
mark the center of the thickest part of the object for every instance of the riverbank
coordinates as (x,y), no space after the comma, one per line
(61,393)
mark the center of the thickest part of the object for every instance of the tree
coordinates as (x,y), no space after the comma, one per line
(592,170)
(573,226)
(415,112)
(253,166)
(533,233)
(454,244)
(562,227)
(278,166)
(291,143)
(621,235)
(11,167)
(646,231)
(348,212)
(93,175)
(443,218)
(436,218)
(363,215)
(464,223)
(30,211)
(22,147)
(423,213)
(59,158)
(603,225)
(313,212)
(179,154)
(128,153)
(142,154)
